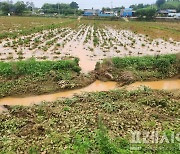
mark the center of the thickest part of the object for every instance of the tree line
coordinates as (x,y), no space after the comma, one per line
(20,7)
(17,8)
(62,8)
(147,11)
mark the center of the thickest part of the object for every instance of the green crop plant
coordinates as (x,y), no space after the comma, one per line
(33,67)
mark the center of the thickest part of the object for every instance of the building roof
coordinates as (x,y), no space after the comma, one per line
(163,12)
(91,10)
(171,10)
(167,11)
(108,12)
(94,11)
(128,9)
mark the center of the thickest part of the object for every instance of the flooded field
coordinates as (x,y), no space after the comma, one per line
(89,42)
(53,94)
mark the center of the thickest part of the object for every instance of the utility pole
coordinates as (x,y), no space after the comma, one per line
(58,10)
(32,6)
(111,5)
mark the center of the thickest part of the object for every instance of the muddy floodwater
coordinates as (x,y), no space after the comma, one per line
(94,87)
(26,101)
(159,85)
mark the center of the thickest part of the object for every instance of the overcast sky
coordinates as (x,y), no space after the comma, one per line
(94,3)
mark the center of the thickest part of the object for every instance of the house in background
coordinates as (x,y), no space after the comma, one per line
(127,12)
(107,14)
(91,12)
(171,10)
(167,12)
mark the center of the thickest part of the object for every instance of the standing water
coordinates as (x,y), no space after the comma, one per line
(94,87)
(26,101)
(159,85)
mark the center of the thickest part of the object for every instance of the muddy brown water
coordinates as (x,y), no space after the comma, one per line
(26,101)
(160,85)
(94,87)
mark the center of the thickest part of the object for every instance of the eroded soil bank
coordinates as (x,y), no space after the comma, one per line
(33,77)
(131,69)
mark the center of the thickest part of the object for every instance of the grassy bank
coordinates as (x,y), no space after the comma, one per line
(130,69)
(38,77)
(91,123)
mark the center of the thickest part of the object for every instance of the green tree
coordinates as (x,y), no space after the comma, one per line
(160,2)
(62,8)
(74,5)
(146,13)
(139,6)
(20,7)
(30,5)
(6,7)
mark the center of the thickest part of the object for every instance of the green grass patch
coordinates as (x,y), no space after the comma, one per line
(161,63)
(35,68)
(31,77)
